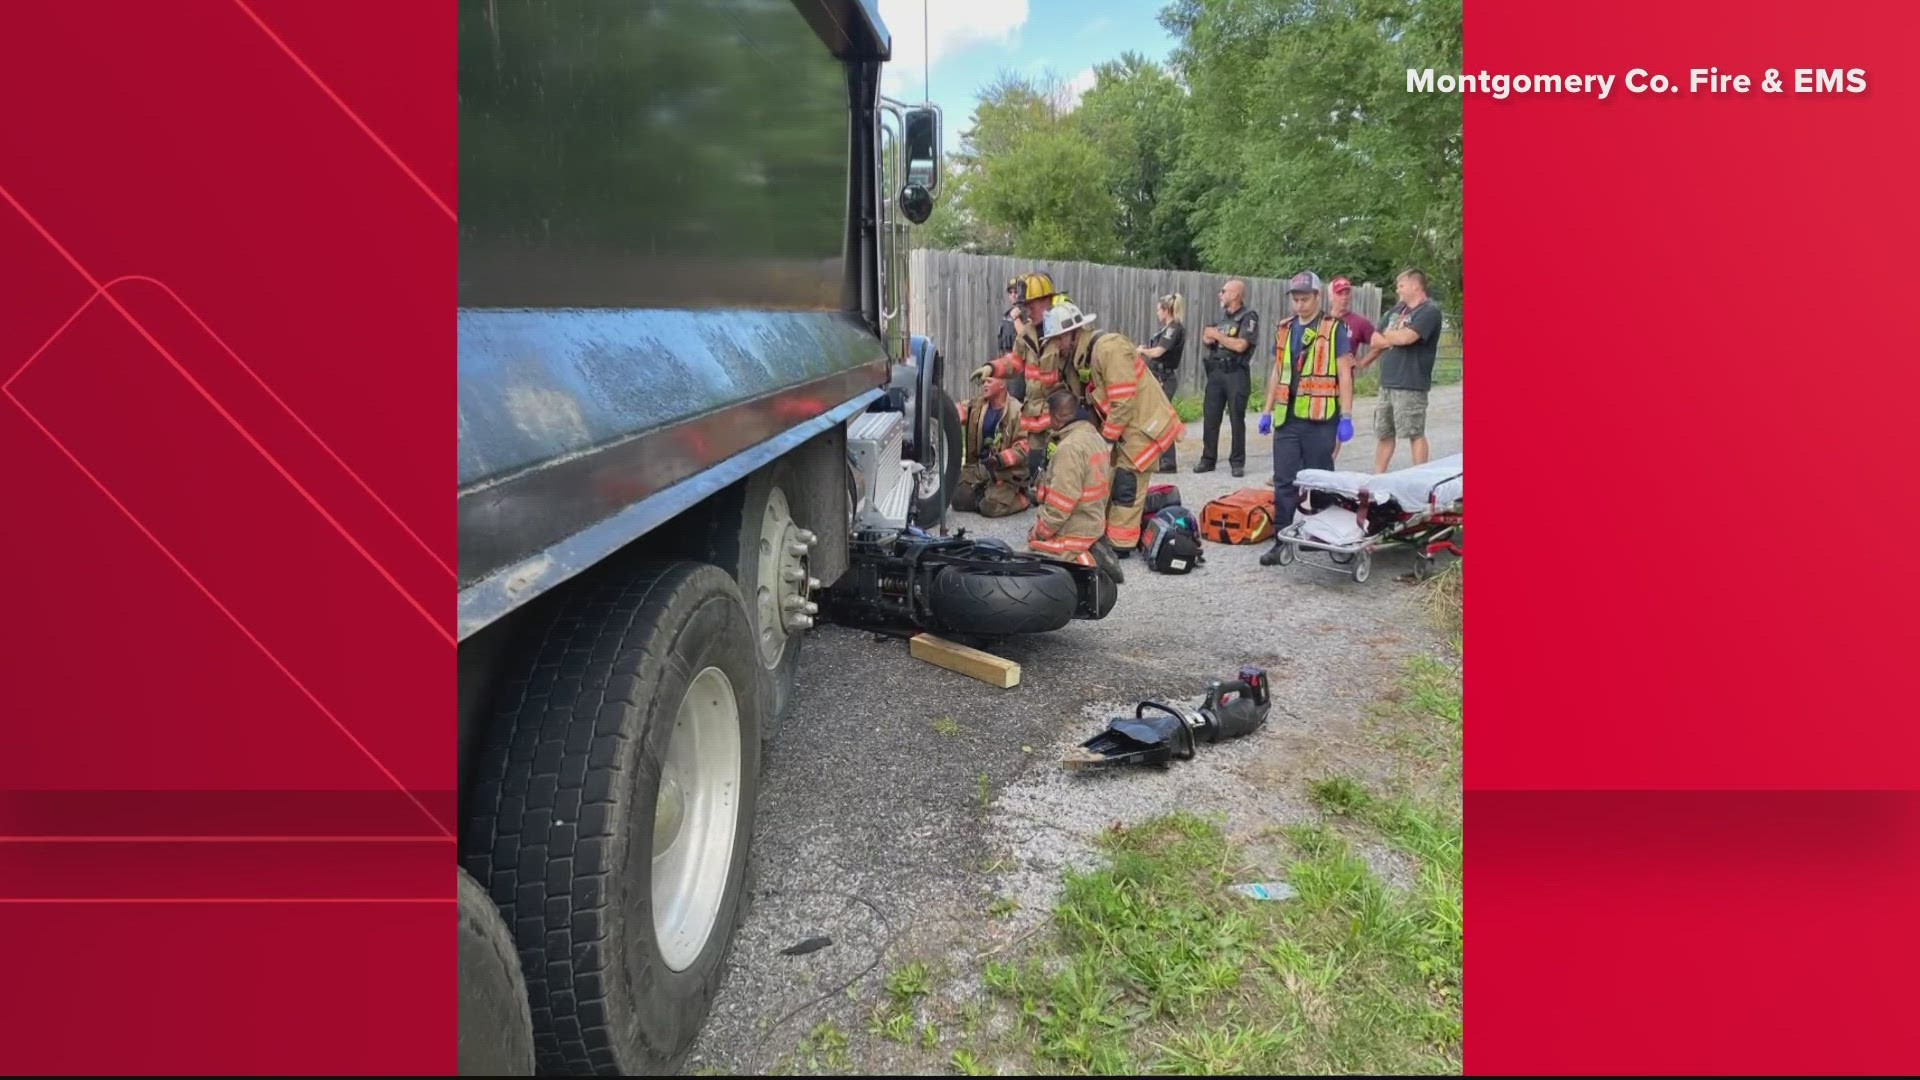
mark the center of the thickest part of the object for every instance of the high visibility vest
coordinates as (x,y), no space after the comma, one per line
(1319,396)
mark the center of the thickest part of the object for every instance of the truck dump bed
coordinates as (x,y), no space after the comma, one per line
(658,274)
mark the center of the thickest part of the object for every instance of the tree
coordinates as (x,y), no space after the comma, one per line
(1027,181)
(1135,116)
(1307,151)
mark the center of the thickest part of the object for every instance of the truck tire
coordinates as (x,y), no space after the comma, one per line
(496,1031)
(1020,598)
(943,462)
(613,809)
(751,540)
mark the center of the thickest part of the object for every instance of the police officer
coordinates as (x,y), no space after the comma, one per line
(1229,343)
(1164,352)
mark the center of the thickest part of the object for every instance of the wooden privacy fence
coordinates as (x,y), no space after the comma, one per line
(957,299)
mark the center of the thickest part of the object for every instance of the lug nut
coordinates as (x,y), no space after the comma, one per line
(811,608)
(798,551)
(799,622)
(794,603)
(793,575)
(806,537)
(813,584)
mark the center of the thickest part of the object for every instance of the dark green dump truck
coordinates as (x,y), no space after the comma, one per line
(690,416)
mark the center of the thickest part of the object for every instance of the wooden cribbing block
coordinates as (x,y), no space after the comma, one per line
(988,668)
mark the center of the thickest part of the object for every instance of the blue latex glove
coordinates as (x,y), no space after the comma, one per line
(1266,423)
(1346,428)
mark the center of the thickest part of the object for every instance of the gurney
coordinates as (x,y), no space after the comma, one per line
(1356,514)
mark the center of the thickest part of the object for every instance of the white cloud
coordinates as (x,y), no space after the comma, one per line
(1078,86)
(950,26)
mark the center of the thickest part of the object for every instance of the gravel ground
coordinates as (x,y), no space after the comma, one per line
(873,826)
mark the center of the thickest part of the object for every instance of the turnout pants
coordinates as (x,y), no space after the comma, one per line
(1127,503)
(1169,382)
(1298,444)
(989,495)
(1228,387)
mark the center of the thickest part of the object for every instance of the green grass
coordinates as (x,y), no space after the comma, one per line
(825,1047)
(966,1064)
(1157,966)
(909,982)
(895,1019)
(946,725)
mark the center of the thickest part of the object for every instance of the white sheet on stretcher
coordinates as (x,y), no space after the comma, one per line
(1335,527)
(1407,488)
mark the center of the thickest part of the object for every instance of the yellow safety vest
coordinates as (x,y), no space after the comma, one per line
(1319,397)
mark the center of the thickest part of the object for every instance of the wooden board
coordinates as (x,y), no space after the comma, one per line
(988,668)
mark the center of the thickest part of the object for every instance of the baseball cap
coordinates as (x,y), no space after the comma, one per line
(1304,281)
(1340,284)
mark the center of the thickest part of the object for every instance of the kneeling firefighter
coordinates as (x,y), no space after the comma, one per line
(1073,499)
(993,482)
(1126,400)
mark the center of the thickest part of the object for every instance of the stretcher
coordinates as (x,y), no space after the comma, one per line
(1357,513)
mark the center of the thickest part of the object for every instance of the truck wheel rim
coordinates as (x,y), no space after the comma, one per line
(694,818)
(778,567)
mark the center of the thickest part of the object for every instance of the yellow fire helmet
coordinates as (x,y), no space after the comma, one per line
(1036,286)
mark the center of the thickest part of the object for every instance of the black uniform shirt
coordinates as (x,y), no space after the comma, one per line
(1243,324)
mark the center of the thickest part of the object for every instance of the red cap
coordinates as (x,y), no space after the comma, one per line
(1340,284)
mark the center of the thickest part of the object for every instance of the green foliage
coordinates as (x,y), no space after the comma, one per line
(1313,152)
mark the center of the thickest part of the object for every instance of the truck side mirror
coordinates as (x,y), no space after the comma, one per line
(916,202)
(922,139)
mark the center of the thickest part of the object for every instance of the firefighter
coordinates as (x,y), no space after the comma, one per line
(1126,400)
(1007,335)
(1031,359)
(993,482)
(1072,523)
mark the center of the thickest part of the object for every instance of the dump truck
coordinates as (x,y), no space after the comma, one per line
(690,418)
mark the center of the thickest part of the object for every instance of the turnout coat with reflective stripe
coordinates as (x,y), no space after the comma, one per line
(1073,500)
(1008,446)
(1045,372)
(1132,408)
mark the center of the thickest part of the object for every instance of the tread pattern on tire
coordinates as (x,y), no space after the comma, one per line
(1032,600)
(545,790)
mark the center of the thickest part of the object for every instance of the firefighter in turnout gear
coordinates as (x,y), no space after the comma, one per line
(1072,524)
(1132,410)
(1032,360)
(993,482)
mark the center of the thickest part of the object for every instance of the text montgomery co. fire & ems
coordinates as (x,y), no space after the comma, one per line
(1706,80)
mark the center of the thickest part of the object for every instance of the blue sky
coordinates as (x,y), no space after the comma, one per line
(972,41)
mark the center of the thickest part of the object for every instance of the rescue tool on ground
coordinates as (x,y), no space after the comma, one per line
(1172,733)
